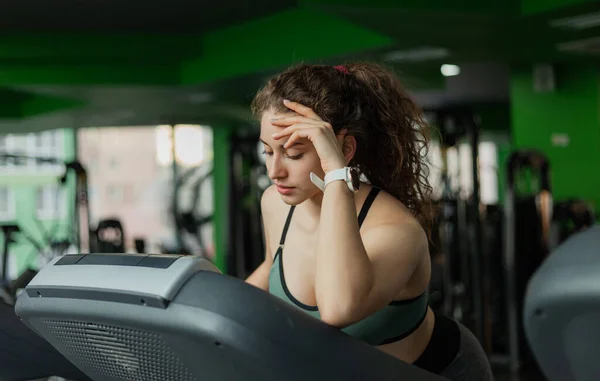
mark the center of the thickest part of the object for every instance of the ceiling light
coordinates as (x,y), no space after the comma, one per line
(450,70)
(589,20)
(585,46)
(416,55)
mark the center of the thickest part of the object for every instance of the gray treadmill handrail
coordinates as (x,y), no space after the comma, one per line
(159,282)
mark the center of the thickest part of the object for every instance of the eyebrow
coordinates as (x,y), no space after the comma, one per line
(293,145)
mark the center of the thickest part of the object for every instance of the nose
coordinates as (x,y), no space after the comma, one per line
(276,168)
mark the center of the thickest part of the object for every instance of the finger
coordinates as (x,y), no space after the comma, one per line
(292,140)
(289,120)
(306,133)
(301,109)
(293,128)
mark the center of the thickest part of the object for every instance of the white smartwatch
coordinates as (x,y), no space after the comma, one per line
(347,174)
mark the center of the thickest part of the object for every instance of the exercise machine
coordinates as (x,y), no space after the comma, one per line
(173,317)
(562,309)
(527,216)
(569,217)
(189,213)
(78,239)
(81,231)
(109,236)
(247,249)
(8,286)
(459,222)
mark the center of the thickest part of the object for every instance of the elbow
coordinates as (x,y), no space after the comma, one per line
(338,316)
(343,306)
(342,313)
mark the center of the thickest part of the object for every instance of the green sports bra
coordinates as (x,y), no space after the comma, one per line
(394,322)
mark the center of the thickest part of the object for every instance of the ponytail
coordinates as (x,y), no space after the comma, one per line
(395,142)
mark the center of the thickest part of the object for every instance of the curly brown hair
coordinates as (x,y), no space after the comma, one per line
(369,102)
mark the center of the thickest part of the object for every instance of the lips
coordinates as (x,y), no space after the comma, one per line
(284,190)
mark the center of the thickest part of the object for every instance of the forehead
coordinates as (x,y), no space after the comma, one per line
(266,128)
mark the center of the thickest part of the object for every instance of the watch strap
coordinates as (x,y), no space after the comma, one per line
(317,181)
(336,174)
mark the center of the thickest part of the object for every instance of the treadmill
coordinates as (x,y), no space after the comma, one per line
(146,317)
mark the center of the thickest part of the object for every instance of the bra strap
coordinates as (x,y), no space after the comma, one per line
(367,205)
(286,226)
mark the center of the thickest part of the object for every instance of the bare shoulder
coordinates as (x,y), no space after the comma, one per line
(270,201)
(274,210)
(389,212)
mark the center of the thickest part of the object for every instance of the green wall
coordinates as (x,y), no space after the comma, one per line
(25,195)
(571,109)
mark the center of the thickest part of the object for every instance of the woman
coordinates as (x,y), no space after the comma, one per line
(345,147)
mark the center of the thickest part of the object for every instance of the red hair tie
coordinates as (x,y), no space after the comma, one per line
(342,68)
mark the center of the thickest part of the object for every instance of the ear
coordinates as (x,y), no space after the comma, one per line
(349,148)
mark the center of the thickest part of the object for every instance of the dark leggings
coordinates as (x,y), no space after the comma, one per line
(455,353)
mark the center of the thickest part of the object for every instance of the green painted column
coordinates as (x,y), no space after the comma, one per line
(564,124)
(221,187)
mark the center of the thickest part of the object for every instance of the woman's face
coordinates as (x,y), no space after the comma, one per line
(289,168)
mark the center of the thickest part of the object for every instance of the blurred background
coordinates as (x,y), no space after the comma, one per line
(125,127)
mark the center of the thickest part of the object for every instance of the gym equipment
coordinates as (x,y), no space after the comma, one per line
(172,317)
(24,355)
(562,310)
(569,217)
(8,286)
(459,223)
(493,275)
(187,212)
(527,209)
(8,231)
(109,236)
(50,247)
(80,212)
(140,245)
(246,249)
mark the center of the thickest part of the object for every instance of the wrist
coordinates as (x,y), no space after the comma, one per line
(334,166)
(345,175)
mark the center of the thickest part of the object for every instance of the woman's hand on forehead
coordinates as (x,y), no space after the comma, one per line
(303,123)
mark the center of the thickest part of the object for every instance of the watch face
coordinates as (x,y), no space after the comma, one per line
(354,178)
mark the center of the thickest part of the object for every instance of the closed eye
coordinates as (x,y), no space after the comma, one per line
(295,157)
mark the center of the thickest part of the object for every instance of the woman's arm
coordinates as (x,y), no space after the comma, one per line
(357,276)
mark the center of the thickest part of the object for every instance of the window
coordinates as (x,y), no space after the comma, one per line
(7,204)
(50,202)
(46,144)
(459,163)
(6,146)
(488,173)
